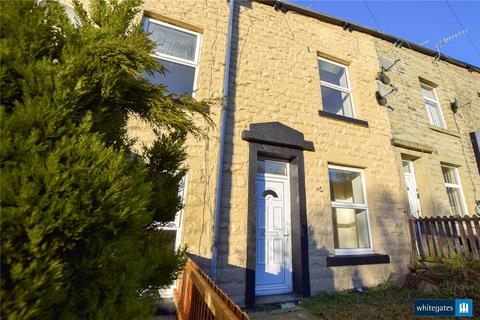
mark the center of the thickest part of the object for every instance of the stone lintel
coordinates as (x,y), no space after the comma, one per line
(412,145)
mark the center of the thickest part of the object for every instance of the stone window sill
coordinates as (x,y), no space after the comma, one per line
(330,115)
(359,259)
(445,131)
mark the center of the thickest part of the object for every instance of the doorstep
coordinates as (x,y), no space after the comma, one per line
(278,298)
(283,314)
(165,309)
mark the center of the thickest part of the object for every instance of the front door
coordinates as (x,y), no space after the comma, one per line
(273,270)
(412,192)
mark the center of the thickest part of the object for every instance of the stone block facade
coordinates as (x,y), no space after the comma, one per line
(410,123)
(275,83)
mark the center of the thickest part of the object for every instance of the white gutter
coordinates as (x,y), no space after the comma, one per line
(218,197)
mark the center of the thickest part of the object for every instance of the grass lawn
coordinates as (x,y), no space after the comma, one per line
(381,302)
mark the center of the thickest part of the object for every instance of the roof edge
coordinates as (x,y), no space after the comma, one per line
(384,36)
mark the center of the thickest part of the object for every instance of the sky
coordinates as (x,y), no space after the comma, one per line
(422,22)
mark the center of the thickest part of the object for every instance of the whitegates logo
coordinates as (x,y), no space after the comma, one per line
(443,308)
(463,307)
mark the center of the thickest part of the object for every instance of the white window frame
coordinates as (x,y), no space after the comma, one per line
(176,223)
(457,186)
(364,206)
(426,86)
(73,17)
(170,58)
(347,90)
(274,175)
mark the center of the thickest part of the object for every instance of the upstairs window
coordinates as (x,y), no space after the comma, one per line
(177,50)
(433,107)
(454,190)
(335,88)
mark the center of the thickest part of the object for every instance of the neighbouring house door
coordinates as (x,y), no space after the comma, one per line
(273,270)
(412,192)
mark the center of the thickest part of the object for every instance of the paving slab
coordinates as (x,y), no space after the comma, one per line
(282,314)
(165,310)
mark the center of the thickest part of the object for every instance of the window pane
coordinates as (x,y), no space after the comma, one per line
(449,175)
(346,186)
(336,101)
(406,166)
(173,42)
(350,228)
(272,167)
(170,237)
(178,78)
(428,93)
(433,110)
(332,73)
(455,200)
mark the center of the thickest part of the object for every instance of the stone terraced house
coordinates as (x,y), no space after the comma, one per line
(329,134)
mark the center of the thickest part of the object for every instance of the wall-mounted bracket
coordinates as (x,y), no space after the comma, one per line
(347,26)
(398,43)
(382,98)
(280,6)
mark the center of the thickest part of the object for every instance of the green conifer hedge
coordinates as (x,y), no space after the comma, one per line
(79,214)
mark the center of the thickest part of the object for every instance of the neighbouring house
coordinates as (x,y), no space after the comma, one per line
(433,123)
(331,133)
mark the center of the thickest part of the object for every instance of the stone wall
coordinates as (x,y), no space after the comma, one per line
(275,77)
(409,121)
(211,19)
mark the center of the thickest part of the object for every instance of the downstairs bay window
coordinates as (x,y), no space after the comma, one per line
(350,210)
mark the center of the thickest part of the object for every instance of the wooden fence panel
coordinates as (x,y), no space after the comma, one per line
(476,229)
(197,297)
(425,233)
(455,238)
(471,239)
(445,237)
(434,237)
(418,238)
(463,238)
(448,238)
(442,240)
